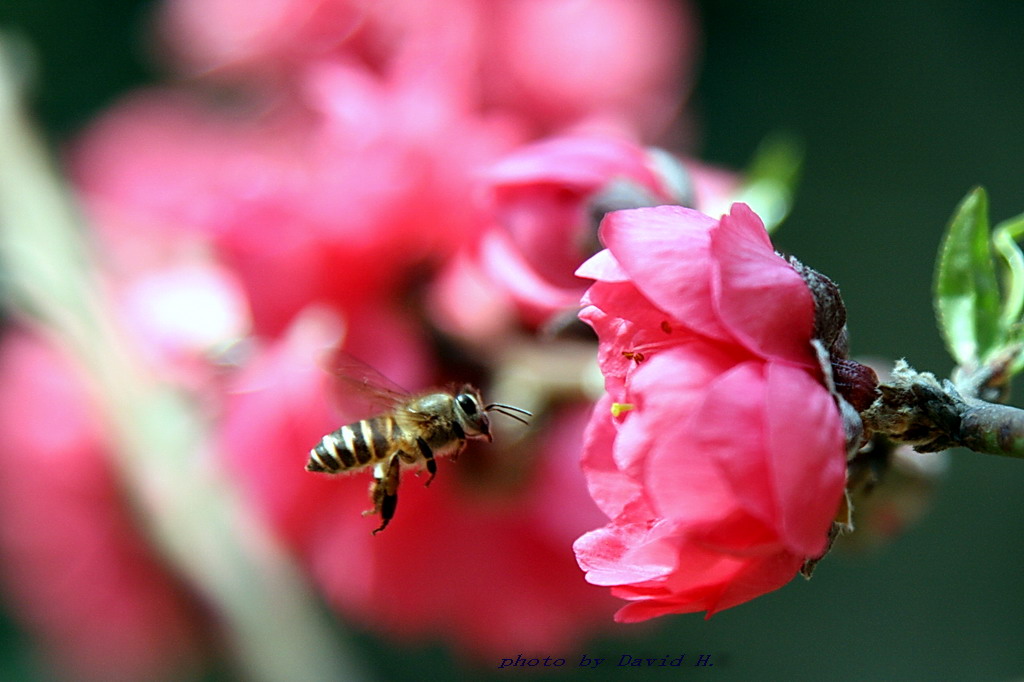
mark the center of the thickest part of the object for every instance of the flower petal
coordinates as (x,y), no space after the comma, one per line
(620,554)
(610,488)
(807,446)
(760,298)
(505,263)
(666,251)
(774,434)
(756,578)
(688,421)
(602,266)
(578,162)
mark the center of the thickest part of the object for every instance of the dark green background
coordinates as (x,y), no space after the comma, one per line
(903,107)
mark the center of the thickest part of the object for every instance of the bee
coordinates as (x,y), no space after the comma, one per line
(414,431)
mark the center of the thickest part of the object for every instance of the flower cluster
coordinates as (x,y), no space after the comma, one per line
(718,452)
(375,178)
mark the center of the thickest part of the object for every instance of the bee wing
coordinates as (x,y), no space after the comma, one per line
(361,388)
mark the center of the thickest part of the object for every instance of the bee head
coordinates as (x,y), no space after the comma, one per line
(471,414)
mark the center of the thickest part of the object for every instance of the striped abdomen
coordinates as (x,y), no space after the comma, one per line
(355,445)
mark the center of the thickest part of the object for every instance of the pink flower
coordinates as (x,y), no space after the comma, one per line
(333,197)
(277,37)
(543,202)
(618,61)
(718,454)
(74,565)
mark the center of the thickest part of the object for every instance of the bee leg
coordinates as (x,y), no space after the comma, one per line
(376,491)
(428,455)
(385,492)
(458,451)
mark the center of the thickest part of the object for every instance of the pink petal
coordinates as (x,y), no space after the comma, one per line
(755,579)
(717,586)
(638,558)
(623,301)
(717,461)
(610,488)
(504,261)
(761,299)
(626,324)
(806,443)
(666,251)
(617,555)
(686,421)
(640,611)
(602,266)
(580,163)
(773,432)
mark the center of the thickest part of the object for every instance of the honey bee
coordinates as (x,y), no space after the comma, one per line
(414,430)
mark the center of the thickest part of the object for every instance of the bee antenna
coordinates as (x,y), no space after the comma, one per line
(509,407)
(509,411)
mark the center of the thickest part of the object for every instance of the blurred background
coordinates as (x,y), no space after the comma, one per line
(902,108)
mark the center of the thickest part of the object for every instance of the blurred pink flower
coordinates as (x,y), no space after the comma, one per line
(478,556)
(73,564)
(543,203)
(496,55)
(718,454)
(543,199)
(331,199)
(268,37)
(618,61)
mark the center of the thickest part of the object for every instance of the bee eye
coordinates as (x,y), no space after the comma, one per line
(467,403)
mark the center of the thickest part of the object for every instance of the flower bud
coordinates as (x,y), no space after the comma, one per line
(856,382)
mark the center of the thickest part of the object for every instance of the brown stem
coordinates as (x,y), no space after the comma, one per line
(917,409)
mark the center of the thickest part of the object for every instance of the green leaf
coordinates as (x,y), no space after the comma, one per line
(1004,239)
(967,301)
(771,178)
